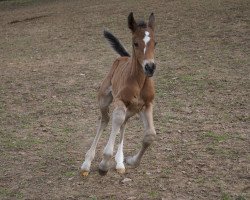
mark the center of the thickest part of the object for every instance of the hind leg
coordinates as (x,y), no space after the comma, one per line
(104,102)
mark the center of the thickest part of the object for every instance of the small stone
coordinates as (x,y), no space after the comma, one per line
(131,198)
(44,130)
(125,180)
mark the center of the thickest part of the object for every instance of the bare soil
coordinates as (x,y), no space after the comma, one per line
(53,58)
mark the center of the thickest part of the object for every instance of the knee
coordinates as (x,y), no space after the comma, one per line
(105,119)
(149,138)
(119,115)
(108,152)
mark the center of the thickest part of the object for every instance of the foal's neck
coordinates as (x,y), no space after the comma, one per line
(137,71)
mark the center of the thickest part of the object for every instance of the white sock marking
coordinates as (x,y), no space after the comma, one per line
(119,158)
(146,39)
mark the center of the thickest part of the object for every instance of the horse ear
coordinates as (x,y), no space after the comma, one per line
(151,21)
(131,22)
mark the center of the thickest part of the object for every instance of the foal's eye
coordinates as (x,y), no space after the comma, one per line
(136,44)
(155,44)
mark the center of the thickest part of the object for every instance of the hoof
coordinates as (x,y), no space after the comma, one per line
(132,161)
(102,172)
(129,160)
(121,170)
(84,173)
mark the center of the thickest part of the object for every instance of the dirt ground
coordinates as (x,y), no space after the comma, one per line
(53,58)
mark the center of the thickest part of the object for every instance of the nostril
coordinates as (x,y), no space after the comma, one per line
(147,67)
(153,66)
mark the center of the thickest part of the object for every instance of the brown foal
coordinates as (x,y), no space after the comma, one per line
(130,86)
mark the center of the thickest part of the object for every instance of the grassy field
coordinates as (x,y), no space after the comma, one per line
(53,59)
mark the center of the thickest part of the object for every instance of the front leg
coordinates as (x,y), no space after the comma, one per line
(118,119)
(149,135)
(119,157)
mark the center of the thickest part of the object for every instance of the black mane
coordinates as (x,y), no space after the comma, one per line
(142,24)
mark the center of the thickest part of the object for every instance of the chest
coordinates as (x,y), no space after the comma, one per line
(136,98)
(135,90)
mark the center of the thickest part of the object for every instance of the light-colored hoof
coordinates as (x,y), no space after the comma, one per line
(132,161)
(84,173)
(121,170)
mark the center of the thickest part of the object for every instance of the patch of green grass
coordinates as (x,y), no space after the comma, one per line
(240,198)
(215,179)
(4,192)
(7,193)
(57,107)
(93,197)
(168,117)
(200,180)
(223,152)
(153,194)
(176,103)
(92,95)
(70,174)
(161,93)
(12,142)
(225,196)
(167,171)
(68,130)
(215,137)
(18,121)
(63,130)
(187,78)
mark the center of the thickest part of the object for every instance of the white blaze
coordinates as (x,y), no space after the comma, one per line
(146,39)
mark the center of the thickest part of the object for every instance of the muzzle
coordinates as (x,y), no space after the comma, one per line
(149,69)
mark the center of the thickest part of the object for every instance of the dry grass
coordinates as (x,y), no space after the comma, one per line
(51,68)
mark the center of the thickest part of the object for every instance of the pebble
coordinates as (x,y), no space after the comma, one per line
(125,180)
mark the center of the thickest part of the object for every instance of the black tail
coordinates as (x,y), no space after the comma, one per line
(115,44)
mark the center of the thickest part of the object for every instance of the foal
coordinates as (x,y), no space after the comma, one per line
(129,86)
